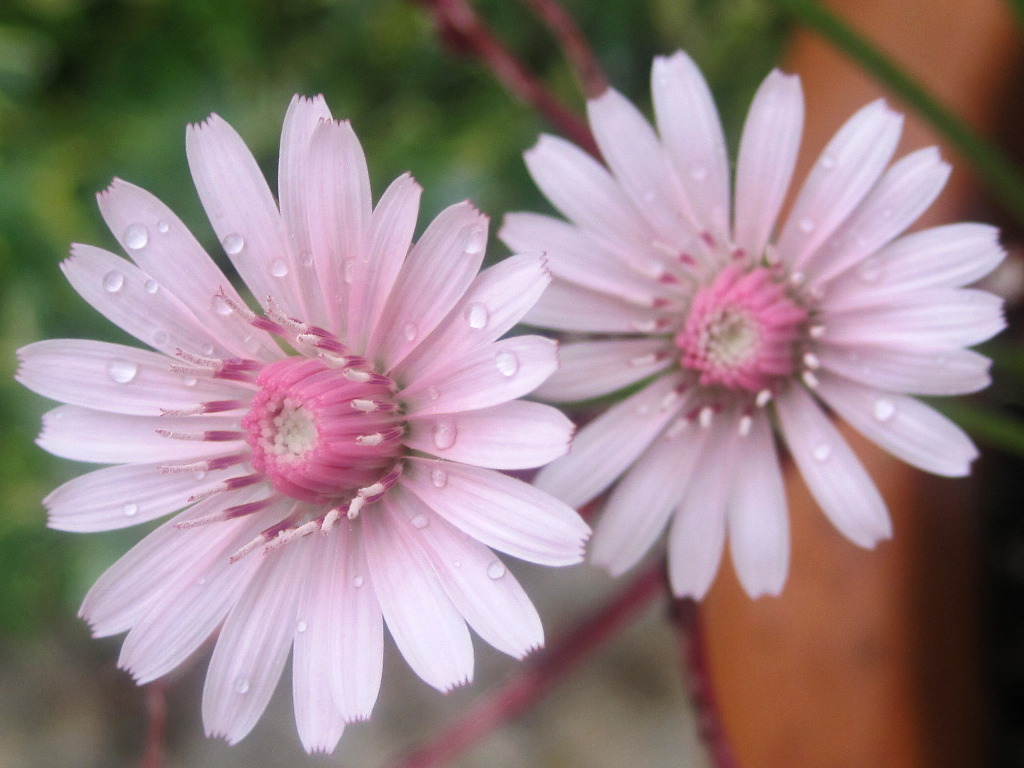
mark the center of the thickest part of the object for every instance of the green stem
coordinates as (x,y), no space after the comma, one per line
(997,429)
(991,163)
(1018,9)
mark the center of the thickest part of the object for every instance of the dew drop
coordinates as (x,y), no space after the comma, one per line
(476,242)
(409,330)
(456,563)
(208,350)
(420,521)
(357,581)
(122,371)
(433,393)
(438,477)
(476,315)
(220,305)
(113,282)
(160,338)
(163,227)
(806,224)
(301,627)
(189,381)
(507,363)
(136,237)
(444,433)
(251,343)
(242,686)
(884,409)
(130,510)
(350,270)
(200,475)
(201,581)
(495,570)
(306,259)
(151,286)
(869,270)
(278,268)
(698,173)
(887,213)
(650,196)
(828,162)
(822,451)
(233,244)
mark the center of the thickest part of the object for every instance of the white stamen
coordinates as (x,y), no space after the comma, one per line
(352,374)
(366,406)
(331,519)
(355,507)
(762,398)
(816,331)
(706,413)
(370,440)
(810,379)
(746,423)
(811,361)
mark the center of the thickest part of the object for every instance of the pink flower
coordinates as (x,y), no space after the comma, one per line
(336,456)
(734,328)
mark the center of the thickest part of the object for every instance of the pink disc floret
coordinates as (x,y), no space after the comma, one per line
(741,329)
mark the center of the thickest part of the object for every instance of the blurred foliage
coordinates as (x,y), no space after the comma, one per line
(90,89)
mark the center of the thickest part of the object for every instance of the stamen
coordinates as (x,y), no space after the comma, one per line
(810,379)
(763,397)
(706,414)
(746,423)
(811,361)
(816,331)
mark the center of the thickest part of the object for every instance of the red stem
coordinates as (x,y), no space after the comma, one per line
(686,619)
(156,730)
(463,31)
(539,674)
(574,45)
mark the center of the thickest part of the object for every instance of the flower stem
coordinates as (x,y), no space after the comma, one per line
(156,730)
(574,45)
(464,32)
(686,619)
(538,675)
(990,162)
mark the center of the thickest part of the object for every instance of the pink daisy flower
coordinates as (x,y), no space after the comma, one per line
(335,455)
(739,327)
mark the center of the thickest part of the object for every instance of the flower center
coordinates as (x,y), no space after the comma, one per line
(317,434)
(741,330)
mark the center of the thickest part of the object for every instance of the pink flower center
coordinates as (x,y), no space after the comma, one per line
(741,330)
(319,434)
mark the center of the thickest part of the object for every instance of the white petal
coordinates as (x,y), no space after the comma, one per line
(832,472)
(941,257)
(495,302)
(356,673)
(915,371)
(504,513)
(388,239)
(499,372)
(935,317)
(594,368)
(107,438)
(437,273)
(577,258)
(847,169)
(640,504)
(696,537)
(117,289)
(768,152)
(900,197)
(296,195)
(585,193)
(905,427)
(631,149)
(164,248)
(427,628)
(127,494)
(320,638)
(478,583)
(253,646)
(692,133)
(114,378)
(242,211)
(567,307)
(758,519)
(513,435)
(338,212)
(609,444)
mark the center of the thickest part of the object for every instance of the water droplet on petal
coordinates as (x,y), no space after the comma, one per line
(201,581)
(151,286)
(495,570)
(409,330)
(456,563)
(698,173)
(208,350)
(806,224)
(476,241)
(113,282)
(438,477)
(163,227)
(650,196)
(507,363)
(233,244)
(828,162)
(220,305)
(136,237)
(242,686)
(350,270)
(444,433)
(189,381)
(130,510)
(306,259)
(420,521)
(278,268)
(884,409)
(821,452)
(869,270)
(160,338)
(432,393)
(122,371)
(357,581)
(476,315)
(301,627)
(200,475)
